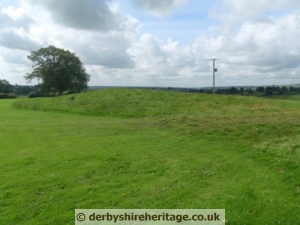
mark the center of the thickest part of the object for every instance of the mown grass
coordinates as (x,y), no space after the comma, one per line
(120,148)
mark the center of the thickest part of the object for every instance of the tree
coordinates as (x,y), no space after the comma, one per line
(284,90)
(260,89)
(5,87)
(233,90)
(58,70)
(270,90)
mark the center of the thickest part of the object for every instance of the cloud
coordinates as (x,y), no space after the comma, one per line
(271,46)
(157,7)
(14,26)
(232,11)
(84,14)
(247,6)
(259,52)
(167,60)
(15,40)
(13,56)
(13,64)
(108,50)
(95,47)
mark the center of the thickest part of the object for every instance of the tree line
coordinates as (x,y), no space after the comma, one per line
(256,91)
(260,91)
(12,91)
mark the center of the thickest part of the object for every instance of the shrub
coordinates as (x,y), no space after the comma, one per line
(7,96)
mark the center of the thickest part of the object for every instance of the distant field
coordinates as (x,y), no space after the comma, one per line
(126,148)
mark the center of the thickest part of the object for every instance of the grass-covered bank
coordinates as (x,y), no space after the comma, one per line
(149,149)
(144,102)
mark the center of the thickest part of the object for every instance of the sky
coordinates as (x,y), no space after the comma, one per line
(165,43)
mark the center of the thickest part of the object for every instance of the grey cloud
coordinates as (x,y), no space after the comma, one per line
(112,58)
(274,63)
(158,7)
(14,41)
(9,38)
(5,21)
(83,14)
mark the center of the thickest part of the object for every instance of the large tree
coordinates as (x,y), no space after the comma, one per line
(57,70)
(5,87)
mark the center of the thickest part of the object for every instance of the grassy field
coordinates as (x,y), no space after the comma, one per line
(121,148)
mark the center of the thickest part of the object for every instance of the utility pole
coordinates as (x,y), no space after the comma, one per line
(214,75)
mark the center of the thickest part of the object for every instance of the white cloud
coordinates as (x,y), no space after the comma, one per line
(235,11)
(166,63)
(254,7)
(13,56)
(269,46)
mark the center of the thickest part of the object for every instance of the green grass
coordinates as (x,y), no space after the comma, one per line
(120,148)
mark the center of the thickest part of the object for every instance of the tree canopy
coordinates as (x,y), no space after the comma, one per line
(57,70)
(5,87)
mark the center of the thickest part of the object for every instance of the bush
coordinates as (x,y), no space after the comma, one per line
(38,95)
(7,96)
